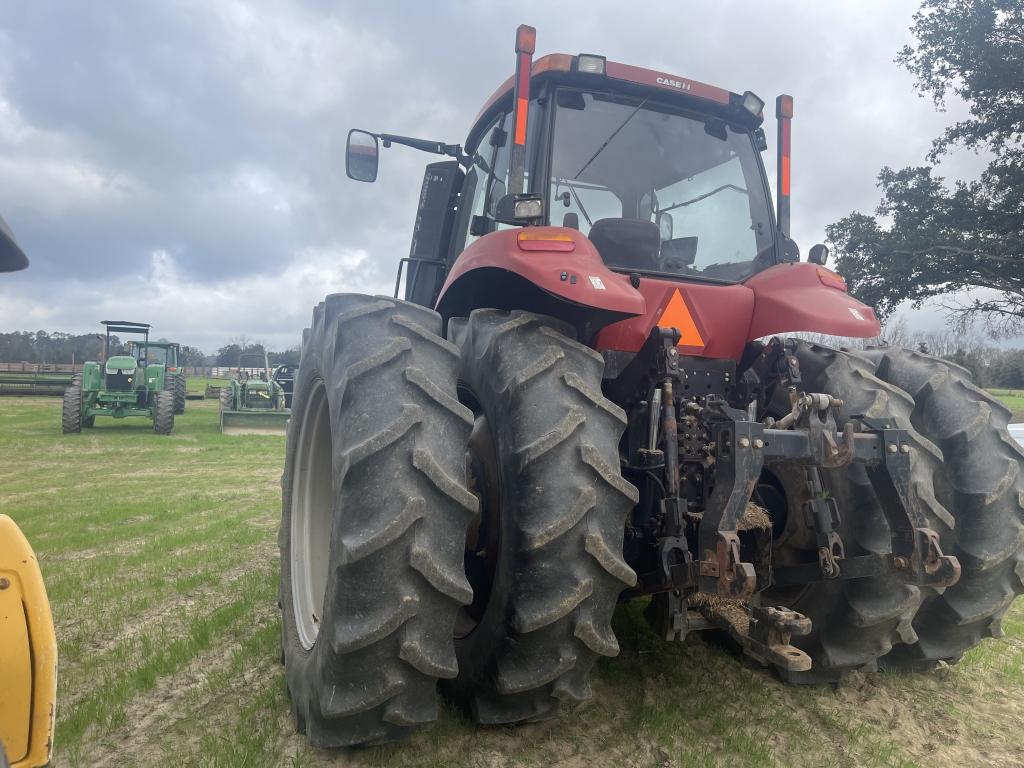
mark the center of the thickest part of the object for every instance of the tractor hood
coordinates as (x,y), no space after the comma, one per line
(120,363)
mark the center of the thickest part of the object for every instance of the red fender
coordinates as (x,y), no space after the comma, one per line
(718,320)
(801,296)
(570,269)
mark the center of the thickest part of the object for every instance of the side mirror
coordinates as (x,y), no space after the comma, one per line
(361,156)
(12,258)
(665,225)
(818,254)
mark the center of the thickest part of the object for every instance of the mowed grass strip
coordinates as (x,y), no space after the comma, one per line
(160,556)
(153,548)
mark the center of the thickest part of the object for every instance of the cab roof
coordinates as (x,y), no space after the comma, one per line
(555,63)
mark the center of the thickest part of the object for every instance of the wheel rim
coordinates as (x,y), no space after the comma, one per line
(311,517)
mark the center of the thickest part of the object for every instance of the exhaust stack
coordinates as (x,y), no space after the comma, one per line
(526,43)
(784,116)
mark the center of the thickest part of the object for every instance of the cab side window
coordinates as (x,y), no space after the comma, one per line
(480,191)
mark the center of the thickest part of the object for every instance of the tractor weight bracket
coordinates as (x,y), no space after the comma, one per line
(738,461)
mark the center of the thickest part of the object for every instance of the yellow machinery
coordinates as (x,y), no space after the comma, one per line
(28,653)
(28,645)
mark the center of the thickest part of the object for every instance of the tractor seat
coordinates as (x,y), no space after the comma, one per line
(627,243)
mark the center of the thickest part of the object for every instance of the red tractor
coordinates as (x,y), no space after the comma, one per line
(584,398)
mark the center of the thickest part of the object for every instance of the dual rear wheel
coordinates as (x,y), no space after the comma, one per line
(381,498)
(966,475)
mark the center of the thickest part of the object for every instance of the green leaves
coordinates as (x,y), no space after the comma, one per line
(928,239)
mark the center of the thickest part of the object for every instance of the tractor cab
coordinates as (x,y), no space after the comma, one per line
(611,195)
(155,353)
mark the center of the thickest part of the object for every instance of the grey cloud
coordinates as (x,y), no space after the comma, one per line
(211,134)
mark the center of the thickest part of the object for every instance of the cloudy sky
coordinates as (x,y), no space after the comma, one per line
(181,161)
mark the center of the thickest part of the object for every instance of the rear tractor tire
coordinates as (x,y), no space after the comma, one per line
(544,558)
(163,412)
(854,622)
(175,383)
(71,410)
(977,471)
(375,509)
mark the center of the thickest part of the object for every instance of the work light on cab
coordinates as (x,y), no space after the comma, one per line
(590,64)
(753,104)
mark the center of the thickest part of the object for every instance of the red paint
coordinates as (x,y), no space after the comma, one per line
(791,297)
(562,62)
(721,314)
(666,82)
(544,269)
(786,298)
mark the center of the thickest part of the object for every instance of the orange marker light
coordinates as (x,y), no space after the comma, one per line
(831,279)
(541,239)
(526,39)
(784,106)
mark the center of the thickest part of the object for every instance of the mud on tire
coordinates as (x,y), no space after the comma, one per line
(563,503)
(976,470)
(375,458)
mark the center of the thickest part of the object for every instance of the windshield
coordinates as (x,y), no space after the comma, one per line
(154,355)
(657,190)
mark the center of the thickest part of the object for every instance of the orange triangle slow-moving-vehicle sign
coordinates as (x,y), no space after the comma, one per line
(677,315)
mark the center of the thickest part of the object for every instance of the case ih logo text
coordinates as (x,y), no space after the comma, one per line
(678,84)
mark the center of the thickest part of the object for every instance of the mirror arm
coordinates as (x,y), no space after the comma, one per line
(425,145)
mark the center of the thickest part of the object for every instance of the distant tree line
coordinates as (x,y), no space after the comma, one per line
(45,347)
(55,347)
(992,366)
(244,354)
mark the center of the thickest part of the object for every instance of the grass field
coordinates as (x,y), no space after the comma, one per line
(1012,399)
(161,564)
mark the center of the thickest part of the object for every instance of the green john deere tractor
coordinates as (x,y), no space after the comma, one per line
(253,404)
(167,354)
(122,385)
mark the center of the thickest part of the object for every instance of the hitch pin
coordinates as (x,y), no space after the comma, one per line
(654,420)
